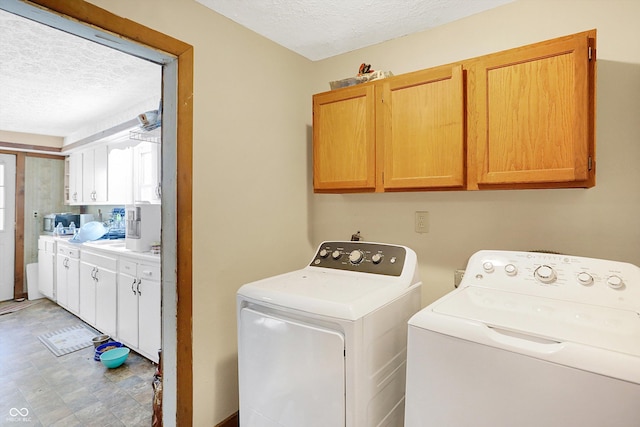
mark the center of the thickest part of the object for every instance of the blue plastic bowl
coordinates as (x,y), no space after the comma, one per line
(115,357)
(102,348)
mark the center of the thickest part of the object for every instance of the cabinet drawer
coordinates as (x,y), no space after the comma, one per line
(149,272)
(128,267)
(68,251)
(100,260)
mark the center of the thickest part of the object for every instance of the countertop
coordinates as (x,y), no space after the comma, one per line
(115,247)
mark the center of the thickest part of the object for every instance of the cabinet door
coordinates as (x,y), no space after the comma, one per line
(88,186)
(73,285)
(150,324)
(120,176)
(531,114)
(423,129)
(106,300)
(46,270)
(75,178)
(61,280)
(87,293)
(128,309)
(147,172)
(344,139)
(100,171)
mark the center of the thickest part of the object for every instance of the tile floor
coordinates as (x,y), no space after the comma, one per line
(70,390)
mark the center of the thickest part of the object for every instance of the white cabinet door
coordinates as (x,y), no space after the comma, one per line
(120,176)
(62,296)
(46,269)
(94,175)
(149,317)
(73,285)
(106,300)
(147,172)
(75,178)
(128,307)
(87,293)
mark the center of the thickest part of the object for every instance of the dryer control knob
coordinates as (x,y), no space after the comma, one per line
(615,282)
(585,278)
(335,255)
(324,253)
(376,258)
(545,274)
(356,257)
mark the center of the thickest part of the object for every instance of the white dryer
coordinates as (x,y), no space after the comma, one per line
(529,339)
(325,345)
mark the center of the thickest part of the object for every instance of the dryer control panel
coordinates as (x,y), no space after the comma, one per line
(363,257)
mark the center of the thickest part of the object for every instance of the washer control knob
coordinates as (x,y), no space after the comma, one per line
(585,279)
(324,253)
(335,254)
(545,274)
(376,258)
(356,256)
(615,282)
(487,266)
(510,269)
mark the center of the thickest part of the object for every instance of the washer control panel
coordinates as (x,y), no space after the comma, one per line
(587,280)
(364,257)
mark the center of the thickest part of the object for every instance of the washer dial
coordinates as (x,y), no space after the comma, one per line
(376,258)
(545,274)
(615,282)
(335,254)
(585,279)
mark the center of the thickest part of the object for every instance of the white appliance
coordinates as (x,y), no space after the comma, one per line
(529,339)
(326,345)
(143,224)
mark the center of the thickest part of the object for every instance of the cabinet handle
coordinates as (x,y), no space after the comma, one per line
(159,191)
(138,287)
(133,283)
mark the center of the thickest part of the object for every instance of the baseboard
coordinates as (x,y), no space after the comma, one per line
(231,421)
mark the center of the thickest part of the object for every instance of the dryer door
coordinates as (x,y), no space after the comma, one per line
(291,374)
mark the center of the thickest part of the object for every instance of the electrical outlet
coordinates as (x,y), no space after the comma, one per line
(422,222)
(457,277)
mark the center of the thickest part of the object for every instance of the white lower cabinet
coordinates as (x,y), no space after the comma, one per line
(46,266)
(139,302)
(68,276)
(98,290)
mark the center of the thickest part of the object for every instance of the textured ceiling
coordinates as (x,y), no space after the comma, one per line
(54,83)
(318,29)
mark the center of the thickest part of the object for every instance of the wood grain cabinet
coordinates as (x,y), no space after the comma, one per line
(531,115)
(522,118)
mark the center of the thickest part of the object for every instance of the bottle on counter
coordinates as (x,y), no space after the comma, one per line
(72,228)
(58,231)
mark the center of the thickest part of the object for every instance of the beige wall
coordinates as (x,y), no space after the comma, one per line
(31,139)
(601,222)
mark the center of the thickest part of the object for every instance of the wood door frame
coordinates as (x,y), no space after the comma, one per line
(96,17)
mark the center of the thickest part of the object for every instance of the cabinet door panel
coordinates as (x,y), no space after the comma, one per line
(150,323)
(423,131)
(533,113)
(73,285)
(87,293)
(61,280)
(127,309)
(106,301)
(344,139)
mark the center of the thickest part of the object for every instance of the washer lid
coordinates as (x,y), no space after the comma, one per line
(338,294)
(556,320)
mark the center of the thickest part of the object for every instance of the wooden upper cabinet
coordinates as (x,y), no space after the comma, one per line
(521,118)
(423,130)
(531,115)
(344,139)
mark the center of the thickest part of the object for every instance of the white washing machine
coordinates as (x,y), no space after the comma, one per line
(325,345)
(529,339)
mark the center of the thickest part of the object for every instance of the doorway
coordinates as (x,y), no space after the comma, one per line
(7,224)
(91,22)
